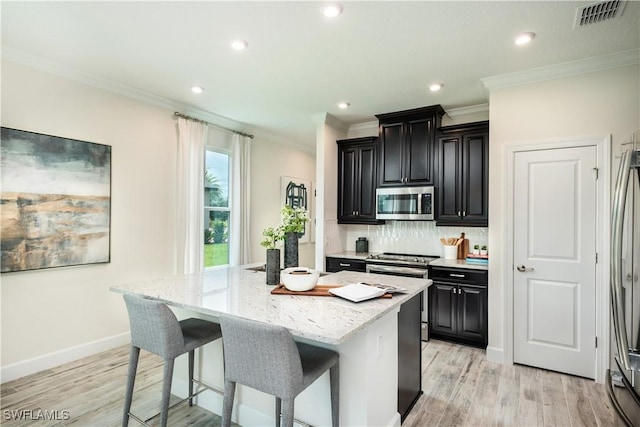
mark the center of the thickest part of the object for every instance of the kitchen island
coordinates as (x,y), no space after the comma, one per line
(365,335)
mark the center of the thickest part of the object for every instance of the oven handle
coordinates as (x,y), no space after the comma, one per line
(375,268)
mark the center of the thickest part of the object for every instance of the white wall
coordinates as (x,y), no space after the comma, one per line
(55,315)
(270,161)
(595,104)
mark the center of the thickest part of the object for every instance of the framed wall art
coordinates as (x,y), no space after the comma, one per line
(297,193)
(56,201)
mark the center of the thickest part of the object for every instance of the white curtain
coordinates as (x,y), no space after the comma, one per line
(240,249)
(192,137)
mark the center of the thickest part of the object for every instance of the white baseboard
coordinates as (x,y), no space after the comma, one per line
(495,354)
(57,358)
(396,421)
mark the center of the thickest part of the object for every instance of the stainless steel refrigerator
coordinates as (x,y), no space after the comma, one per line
(623,379)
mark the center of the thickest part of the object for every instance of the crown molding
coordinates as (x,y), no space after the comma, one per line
(38,63)
(364,126)
(565,69)
(468,111)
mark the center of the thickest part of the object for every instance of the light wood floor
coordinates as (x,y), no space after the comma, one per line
(460,389)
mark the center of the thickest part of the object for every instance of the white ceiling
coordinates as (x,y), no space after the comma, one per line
(379,56)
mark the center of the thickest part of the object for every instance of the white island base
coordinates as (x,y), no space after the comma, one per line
(368,383)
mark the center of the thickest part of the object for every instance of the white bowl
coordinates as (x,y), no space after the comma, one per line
(299,279)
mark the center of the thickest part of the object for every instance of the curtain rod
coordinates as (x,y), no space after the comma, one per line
(184,116)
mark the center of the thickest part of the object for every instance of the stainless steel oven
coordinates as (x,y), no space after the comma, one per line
(405,265)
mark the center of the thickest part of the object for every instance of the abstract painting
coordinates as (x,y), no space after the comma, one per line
(56,201)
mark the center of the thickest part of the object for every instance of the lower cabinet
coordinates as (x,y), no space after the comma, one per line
(409,354)
(333,265)
(458,305)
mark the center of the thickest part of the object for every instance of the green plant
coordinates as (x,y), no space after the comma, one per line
(219,231)
(272,235)
(484,248)
(476,247)
(293,219)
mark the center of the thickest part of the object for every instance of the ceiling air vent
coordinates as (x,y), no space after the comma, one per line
(598,11)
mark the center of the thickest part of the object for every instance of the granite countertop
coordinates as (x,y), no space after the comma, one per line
(352,255)
(458,263)
(242,292)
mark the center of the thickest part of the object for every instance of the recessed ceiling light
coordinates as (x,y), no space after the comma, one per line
(343,105)
(524,38)
(332,10)
(435,87)
(197,89)
(239,44)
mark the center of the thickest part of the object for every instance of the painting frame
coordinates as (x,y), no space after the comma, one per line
(56,201)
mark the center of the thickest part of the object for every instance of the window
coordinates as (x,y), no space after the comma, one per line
(217,211)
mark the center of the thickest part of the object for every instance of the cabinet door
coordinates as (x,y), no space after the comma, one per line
(475,172)
(347,183)
(391,154)
(367,183)
(449,195)
(472,313)
(419,152)
(442,308)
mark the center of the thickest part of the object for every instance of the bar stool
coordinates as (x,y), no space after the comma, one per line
(265,357)
(154,328)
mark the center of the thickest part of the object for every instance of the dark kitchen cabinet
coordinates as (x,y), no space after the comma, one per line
(458,305)
(357,177)
(408,146)
(333,265)
(463,175)
(409,355)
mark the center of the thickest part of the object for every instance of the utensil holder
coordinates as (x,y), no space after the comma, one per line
(450,252)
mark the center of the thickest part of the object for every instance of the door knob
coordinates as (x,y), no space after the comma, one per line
(522,268)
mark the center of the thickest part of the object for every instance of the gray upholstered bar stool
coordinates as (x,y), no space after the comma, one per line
(266,357)
(156,329)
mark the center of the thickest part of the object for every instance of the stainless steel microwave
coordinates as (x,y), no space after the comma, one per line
(405,203)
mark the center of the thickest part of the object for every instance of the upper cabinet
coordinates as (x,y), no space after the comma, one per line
(463,175)
(408,146)
(357,177)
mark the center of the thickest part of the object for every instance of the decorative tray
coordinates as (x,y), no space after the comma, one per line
(318,291)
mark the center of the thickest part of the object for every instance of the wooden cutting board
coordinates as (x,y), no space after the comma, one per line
(318,291)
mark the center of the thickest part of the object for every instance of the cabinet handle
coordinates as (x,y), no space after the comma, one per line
(464,213)
(459,213)
(342,264)
(456,275)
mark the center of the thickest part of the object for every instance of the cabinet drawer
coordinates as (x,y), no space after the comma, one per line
(459,275)
(334,265)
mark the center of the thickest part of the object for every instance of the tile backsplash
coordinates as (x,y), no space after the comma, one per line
(408,237)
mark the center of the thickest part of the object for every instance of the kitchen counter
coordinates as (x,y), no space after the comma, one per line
(241,292)
(458,263)
(365,335)
(352,255)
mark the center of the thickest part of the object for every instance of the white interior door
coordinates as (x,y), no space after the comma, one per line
(554,272)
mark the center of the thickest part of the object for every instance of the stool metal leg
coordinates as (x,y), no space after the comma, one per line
(334,380)
(191,363)
(166,391)
(134,353)
(278,410)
